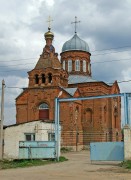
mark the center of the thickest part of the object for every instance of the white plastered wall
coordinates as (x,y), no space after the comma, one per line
(16,133)
(127,143)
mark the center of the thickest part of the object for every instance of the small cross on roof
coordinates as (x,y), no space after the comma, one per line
(49,22)
(75,22)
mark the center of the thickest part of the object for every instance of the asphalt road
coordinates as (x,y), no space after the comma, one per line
(78,167)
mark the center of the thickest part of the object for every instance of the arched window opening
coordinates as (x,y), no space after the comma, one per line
(43,111)
(69,65)
(43,106)
(36,79)
(89,117)
(43,78)
(76,113)
(77,65)
(64,65)
(84,66)
(105,112)
(50,77)
(115,111)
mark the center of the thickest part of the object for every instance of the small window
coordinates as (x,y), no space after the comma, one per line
(43,78)
(64,65)
(84,66)
(36,79)
(51,136)
(29,137)
(77,65)
(69,65)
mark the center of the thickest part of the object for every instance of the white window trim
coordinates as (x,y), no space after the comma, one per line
(51,136)
(84,65)
(77,65)
(64,65)
(69,65)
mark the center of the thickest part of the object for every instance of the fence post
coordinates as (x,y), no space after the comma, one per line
(127,142)
(56,117)
(57,128)
(126,108)
(2,120)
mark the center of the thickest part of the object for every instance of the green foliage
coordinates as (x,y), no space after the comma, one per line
(126,164)
(62,159)
(6,164)
(21,163)
(65,149)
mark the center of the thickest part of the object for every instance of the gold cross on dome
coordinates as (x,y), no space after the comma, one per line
(49,22)
(75,23)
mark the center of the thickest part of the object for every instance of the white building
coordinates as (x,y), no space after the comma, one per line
(30,131)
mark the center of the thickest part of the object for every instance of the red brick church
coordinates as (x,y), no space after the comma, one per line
(82,121)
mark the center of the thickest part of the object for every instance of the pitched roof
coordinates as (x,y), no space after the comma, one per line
(70,91)
(75,79)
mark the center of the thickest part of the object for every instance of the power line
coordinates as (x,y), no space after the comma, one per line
(111,61)
(15,70)
(110,52)
(16,87)
(124,81)
(34,63)
(115,60)
(18,60)
(112,48)
(25,59)
(18,64)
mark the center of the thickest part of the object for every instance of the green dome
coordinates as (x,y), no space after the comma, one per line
(75,43)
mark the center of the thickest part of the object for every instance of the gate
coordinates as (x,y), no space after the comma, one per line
(37,150)
(110,138)
(107,151)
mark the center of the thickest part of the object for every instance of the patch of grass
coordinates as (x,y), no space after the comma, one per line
(126,164)
(5,164)
(66,149)
(62,159)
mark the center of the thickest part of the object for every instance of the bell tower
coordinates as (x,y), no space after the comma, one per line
(48,70)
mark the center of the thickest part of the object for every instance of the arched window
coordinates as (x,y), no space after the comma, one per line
(50,77)
(64,65)
(84,66)
(105,112)
(43,78)
(77,65)
(36,79)
(43,111)
(76,113)
(89,117)
(69,65)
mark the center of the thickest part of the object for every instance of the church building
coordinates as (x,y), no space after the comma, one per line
(82,122)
